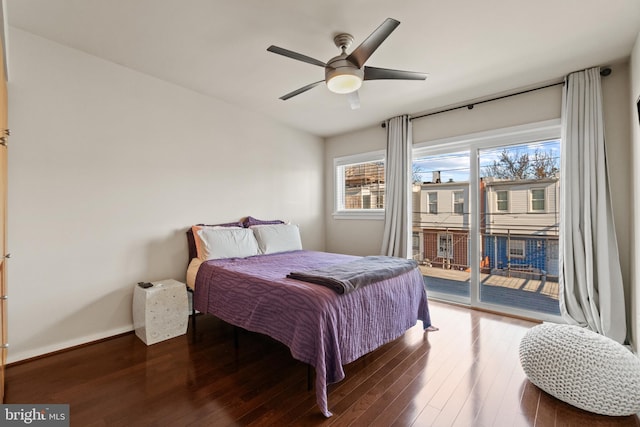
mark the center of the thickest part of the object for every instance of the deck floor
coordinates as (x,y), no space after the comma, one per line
(518,292)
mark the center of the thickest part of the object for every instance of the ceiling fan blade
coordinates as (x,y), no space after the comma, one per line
(360,55)
(295,55)
(374,73)
(354,100)
(301,90)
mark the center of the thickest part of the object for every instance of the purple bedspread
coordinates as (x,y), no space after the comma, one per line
(322,328)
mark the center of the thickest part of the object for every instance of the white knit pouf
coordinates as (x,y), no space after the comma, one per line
(582,368)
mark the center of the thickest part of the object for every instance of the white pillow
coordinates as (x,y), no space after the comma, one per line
(196,237)
(277,238)
(225,242)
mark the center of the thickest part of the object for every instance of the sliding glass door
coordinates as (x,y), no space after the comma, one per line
(441,223)
(486,219)
(519,225)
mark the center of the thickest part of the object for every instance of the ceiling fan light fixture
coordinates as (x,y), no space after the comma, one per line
(342,76)
(344,83)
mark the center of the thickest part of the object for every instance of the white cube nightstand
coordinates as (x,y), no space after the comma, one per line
(161,311)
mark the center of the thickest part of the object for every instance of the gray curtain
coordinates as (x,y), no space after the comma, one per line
(591,289)
(396,240)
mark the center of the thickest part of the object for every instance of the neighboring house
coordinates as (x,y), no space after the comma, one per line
(441,224)
(519,225)
(364,186)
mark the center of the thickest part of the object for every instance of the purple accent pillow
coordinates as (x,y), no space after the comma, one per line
(250,221)
(191,242)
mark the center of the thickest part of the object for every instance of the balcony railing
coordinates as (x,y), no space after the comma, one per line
(518,267)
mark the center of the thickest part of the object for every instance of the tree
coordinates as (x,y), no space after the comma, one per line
(517,165)
(416,174)
(544,164)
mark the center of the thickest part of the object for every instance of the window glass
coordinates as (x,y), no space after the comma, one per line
(458,202)
(433,203)
(503,200)
(360,184)
(516,248)
(445,245)
(494,240)
(537,199)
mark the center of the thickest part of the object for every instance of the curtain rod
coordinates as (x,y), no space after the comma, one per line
(604,72)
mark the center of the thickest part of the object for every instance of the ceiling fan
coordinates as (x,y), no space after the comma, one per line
(344,73)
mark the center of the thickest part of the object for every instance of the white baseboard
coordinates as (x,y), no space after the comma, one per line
(13,356)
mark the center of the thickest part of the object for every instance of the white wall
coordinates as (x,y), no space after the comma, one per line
(107,169)
(348,236)
(635,184)
(363,237)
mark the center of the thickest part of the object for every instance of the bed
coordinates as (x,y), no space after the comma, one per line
(321,327)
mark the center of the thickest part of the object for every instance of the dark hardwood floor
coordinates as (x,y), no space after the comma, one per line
(466,374)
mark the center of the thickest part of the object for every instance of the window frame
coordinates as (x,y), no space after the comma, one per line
(448,243)
(524,248)
(454,198)
(506,201)
(429,211)
(544,200)
(339,164)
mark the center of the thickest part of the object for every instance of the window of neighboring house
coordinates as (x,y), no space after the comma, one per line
(503,201)
(458,202)
(432,203)
(366,201)
(516,248)
(415,243)
(359,186)
(537,199)
(445,245)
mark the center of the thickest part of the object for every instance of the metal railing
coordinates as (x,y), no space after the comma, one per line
(527,251)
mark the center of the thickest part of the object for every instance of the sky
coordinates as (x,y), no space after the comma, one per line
(455,166)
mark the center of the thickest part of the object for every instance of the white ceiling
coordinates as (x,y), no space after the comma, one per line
(470,48)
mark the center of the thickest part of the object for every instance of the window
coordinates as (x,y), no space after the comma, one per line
(360,186)
(365,201)
(516,249)
(509,226)
(363,185)
(445,245)
(458,202)
(415,243)
(503,201)
(432,203)
(537,199)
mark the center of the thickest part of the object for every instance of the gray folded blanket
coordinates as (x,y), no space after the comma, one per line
(347,277)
